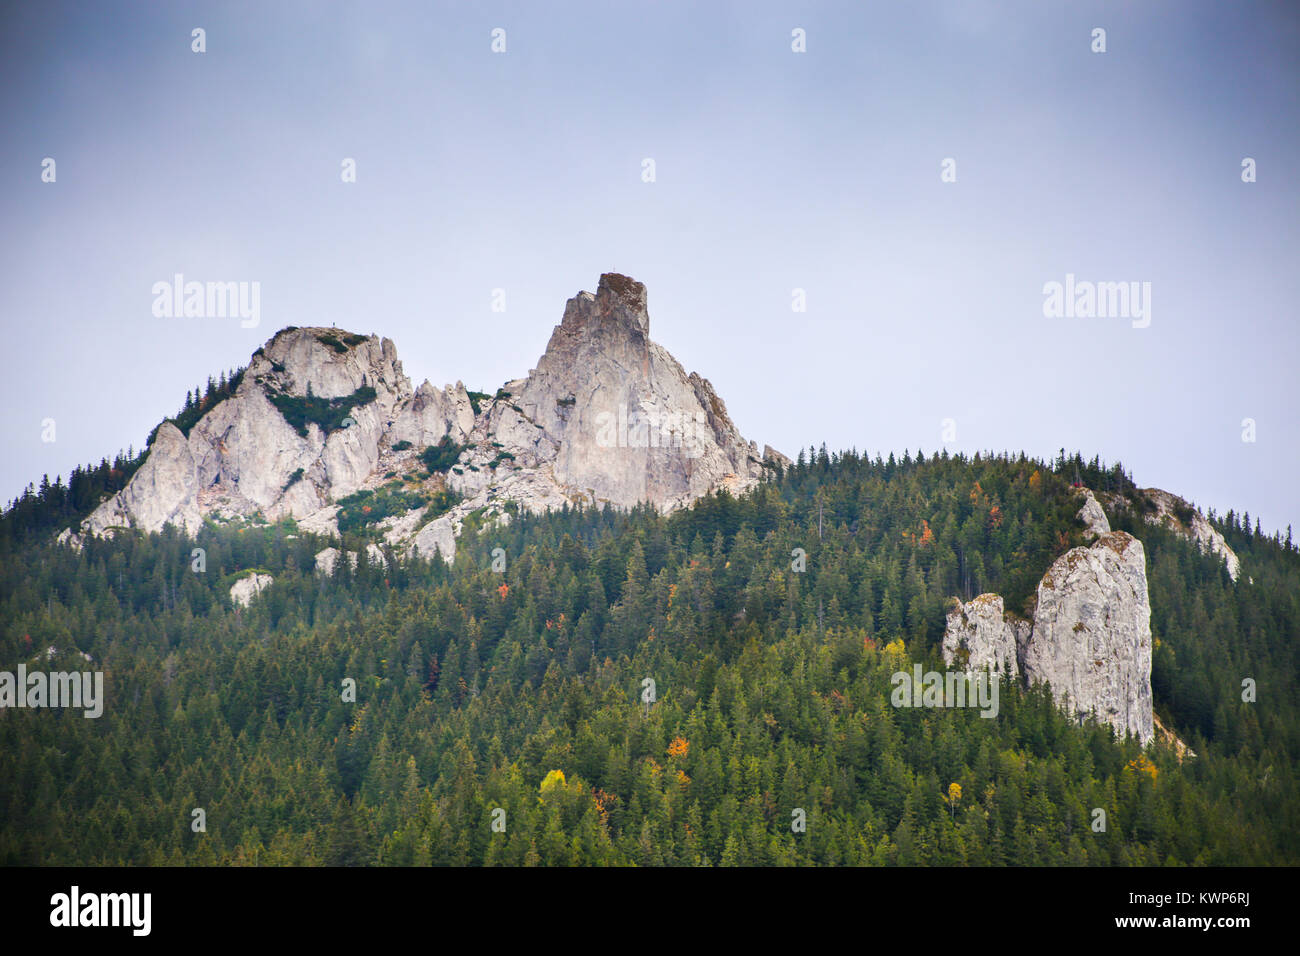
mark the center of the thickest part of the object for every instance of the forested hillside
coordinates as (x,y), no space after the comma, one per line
(521,689)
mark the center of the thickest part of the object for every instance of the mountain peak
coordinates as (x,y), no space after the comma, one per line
(619,303)
(607,417)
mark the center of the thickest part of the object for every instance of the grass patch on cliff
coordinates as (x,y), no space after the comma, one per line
(362,509)
(440,502)
(327,414)
(340,343)
(438,458)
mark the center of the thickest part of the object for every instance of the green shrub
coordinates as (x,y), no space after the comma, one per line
(364,508)
(326,339)
(327,413)
(440,457)
(440,503)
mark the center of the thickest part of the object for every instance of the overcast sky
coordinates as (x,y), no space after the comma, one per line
(773,171)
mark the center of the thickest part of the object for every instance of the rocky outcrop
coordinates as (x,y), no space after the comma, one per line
(245,589)
(1091,638)
(163,491)
(433,414)
(608,416)
(1174,513)
(244,458)
(979,636)
(327,559)
(1093,518)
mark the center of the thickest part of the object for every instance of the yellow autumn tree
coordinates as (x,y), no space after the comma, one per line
(954,798)
(895,653)
(1142,764)
(551,782)
(679,747)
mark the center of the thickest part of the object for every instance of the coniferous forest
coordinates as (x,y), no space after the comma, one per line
(501,714)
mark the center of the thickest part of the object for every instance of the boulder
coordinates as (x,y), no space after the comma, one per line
(243,591)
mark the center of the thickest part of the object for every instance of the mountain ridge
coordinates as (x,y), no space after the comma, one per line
(319,415)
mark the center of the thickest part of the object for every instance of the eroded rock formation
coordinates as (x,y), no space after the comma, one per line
(607,416)
(1090,638)
(245,589)
(979,635)
(1179,516)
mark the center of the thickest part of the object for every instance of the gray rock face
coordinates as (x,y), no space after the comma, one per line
(607,416)
(433,414)
(1191,525)
(1090,638)
(243,591)
(616,418)
(243,457)
(1093,518)
(1092,634)
(162,491)
(327,559)
(979,636)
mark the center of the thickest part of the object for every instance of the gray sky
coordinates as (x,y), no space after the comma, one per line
(775,170)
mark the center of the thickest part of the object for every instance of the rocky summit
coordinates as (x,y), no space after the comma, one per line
(320,414)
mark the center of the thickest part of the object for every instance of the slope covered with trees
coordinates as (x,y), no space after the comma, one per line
(522,690)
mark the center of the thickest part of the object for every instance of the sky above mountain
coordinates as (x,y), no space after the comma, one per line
(487,179)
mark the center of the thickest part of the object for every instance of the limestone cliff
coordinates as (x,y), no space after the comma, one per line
(608,416)
(1090,638)
(979,635)
(246,588)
